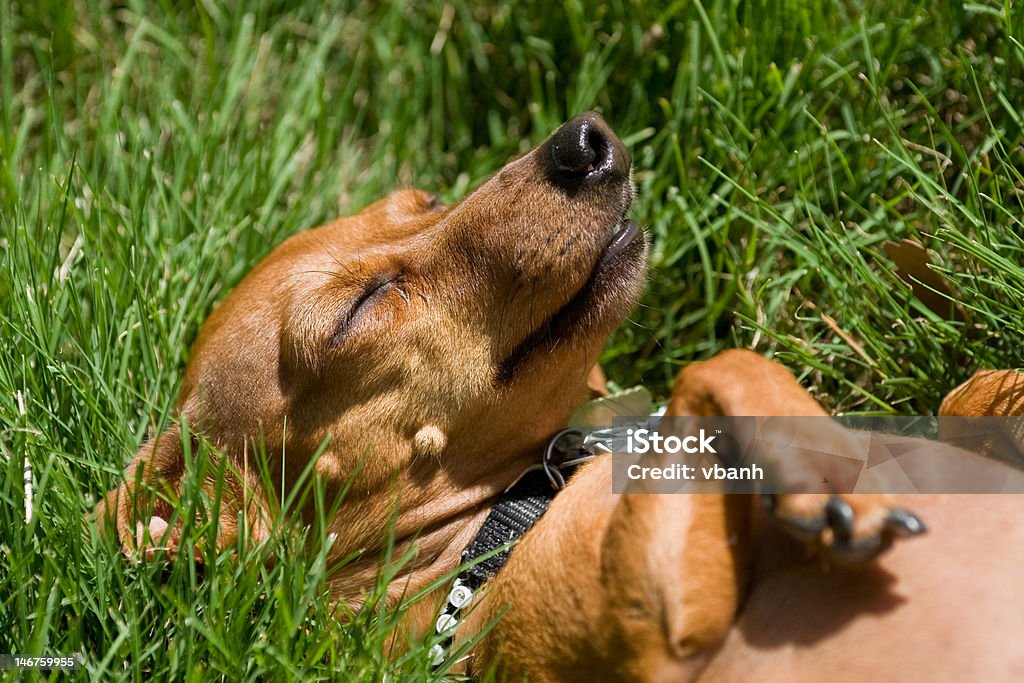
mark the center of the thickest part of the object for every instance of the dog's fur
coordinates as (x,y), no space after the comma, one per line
(432,351)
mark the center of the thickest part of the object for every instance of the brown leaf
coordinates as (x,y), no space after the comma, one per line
(933,290)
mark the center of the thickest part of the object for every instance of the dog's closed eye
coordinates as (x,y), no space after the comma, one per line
(376,288)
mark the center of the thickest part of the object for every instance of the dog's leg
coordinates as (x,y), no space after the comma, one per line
(987,393)
(645,587)
(845,528)
(964,578)
(616,587)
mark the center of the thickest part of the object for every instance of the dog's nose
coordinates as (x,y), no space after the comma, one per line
(585,148)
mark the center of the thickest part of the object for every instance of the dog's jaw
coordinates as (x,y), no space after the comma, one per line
(614,285)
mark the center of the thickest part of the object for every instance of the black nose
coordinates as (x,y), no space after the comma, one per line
(586,149)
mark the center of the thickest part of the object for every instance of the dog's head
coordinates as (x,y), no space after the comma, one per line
(438,346)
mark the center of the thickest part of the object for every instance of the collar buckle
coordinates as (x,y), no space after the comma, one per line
(565,451)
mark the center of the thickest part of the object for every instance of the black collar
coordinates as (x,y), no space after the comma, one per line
(514,513)
(522,504)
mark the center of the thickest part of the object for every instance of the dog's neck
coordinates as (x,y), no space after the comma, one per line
(435,522)
(433,507)
(432,554)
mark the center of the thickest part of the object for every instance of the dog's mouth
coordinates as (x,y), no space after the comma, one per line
(625,232)
(603,293)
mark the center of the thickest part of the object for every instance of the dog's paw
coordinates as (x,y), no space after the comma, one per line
(844,529)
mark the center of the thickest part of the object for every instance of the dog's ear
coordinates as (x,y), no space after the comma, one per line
(146,511)
(140,510)
(412,202)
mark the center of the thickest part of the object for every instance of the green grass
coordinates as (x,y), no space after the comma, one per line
(152,152)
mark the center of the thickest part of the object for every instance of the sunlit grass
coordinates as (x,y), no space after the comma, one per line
(152,152)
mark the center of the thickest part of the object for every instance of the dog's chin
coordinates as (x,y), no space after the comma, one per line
(611,290)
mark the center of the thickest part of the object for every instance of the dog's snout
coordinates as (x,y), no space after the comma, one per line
(585,148)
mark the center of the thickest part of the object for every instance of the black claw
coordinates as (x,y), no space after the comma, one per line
(840,519)
(903,523)
(839,516)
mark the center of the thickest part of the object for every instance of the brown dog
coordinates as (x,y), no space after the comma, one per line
(430,353)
